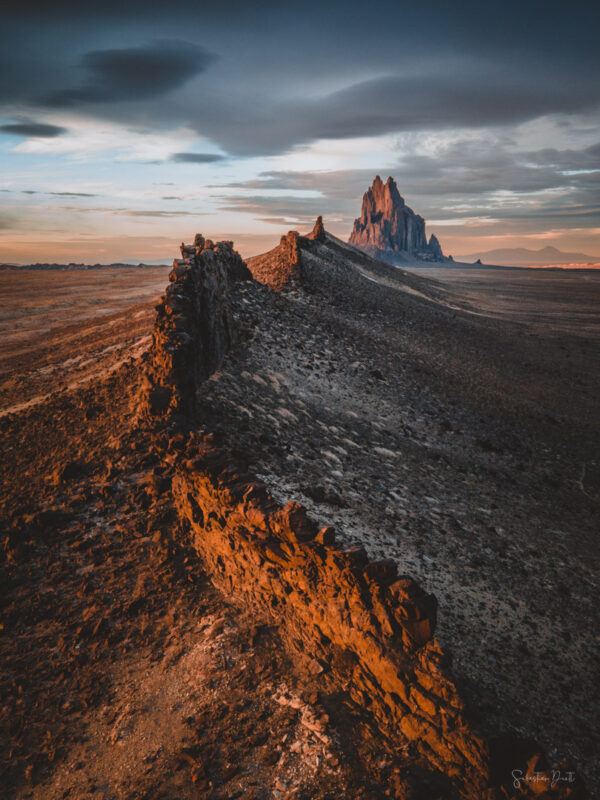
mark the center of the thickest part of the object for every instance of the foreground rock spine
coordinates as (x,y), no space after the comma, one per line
(336,605)
(368,629)
(194,326)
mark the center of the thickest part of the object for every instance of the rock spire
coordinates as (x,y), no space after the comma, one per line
(388,229)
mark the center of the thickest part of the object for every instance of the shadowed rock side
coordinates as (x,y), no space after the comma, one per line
(366,631)
(194,328)
(388,229)
(320,261)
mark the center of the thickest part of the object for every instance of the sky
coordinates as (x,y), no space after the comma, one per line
(126,126)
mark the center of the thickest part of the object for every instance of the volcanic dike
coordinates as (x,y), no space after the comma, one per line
(365,632)
(254,557)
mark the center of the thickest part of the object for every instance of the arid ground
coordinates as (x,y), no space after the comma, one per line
(59,327)
(448,419)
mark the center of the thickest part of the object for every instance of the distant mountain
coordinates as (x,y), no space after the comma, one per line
(157,262)
(391,231)
(522,257)
(82,267)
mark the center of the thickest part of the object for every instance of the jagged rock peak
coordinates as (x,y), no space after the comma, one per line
(318,232)
(388,226)
(194,326)
(435,247)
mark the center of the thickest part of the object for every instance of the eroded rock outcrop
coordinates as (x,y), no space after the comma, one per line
(388,229)
(435,248)
(289,264)
(362,630)
(355,619)
(318,232)
(369,630)
(279,267)
(194,328)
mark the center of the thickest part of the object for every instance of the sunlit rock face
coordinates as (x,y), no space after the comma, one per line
(388,229)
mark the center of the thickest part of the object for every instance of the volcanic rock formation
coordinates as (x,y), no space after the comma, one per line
(367,631)
(388,229)
(303,651)
(194,328)
(282,266)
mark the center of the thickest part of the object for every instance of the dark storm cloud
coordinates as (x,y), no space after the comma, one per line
(409,67)
(441,101)
(30,128)
(133,74)
(535,24)
(451,99)
(132,9)
(196,158)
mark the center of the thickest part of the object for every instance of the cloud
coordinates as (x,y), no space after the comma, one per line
(56,194)
(133,74)
(279,89)
(472,96)
(490,97)
(128,212)
(73,194)
(34,129)
(133,10)
(277,210)
(125,212)
(457,169)
(477,181)
(196,158)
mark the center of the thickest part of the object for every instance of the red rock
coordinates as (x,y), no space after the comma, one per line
(387,226)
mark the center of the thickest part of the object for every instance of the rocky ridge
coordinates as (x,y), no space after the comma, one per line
(282,266)
(314,683)
(194,327)
(388,229)
(320,262)
(368,631)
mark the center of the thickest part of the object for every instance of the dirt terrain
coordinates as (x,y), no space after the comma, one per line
(62,327)
(553,302)
(450,422)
